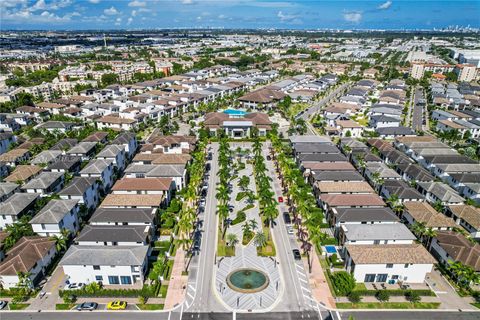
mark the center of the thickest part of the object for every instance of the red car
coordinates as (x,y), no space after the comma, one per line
(280,199)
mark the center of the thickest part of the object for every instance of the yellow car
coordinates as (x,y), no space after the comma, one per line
(117,305)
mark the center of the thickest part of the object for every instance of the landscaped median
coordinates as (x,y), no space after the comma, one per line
(388,305)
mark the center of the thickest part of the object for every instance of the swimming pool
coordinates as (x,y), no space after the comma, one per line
(330,249)
(233,112)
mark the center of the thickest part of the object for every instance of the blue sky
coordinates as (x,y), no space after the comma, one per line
(300,14)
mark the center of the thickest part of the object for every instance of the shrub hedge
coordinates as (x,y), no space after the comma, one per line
(146,291)
(397,292)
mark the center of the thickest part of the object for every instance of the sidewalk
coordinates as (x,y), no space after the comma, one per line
(177,286)
(55,283)
(318,283)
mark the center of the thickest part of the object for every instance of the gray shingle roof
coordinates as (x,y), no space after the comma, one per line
(110,151)
(138,215)
(105,255)
(380,231)
(17,203)
(82,148)
(7,187)
(43,181)
(54,211)
(78,186)
(113,233)
(96,166)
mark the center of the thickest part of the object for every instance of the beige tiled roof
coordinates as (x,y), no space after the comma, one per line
(470,214)
(423,212)
(148,184)
(134,200)
(344,187)
(12,155)
(328,166)
(390,253)
(23,172)
(336,200)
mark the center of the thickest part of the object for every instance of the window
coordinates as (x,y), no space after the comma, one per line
(98,278)
(43,226)
(389,265)
(113,280)
(370,277)
(126,279)
(406,265)
(96,267)
(376,241)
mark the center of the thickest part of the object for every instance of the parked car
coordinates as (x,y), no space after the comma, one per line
(90,306)
(269,158)
(3,304)
(117,305)
(290,230)
(208,167)
(296,254)
(280,199)
(286,218)
(74,286)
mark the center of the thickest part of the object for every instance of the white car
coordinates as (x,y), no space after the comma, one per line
(74,286)
(290,230)
(3,304)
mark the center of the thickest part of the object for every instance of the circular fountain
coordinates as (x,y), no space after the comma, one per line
(247,280)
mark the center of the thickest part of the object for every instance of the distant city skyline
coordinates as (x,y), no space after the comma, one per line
(149,14)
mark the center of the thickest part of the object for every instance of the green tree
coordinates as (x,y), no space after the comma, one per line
(109,78)
(343,282)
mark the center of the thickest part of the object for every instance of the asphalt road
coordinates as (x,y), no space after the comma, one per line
(200,295)
(417,116)
(410,315)
(320,104)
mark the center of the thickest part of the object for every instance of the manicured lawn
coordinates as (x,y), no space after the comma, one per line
(64,306)
(163,291)
(247,237)
(163,246)
(388,305)
(476,305)
(269,249)
(360,286)
(18,306)
(150,306)
(170,267)
(222,249)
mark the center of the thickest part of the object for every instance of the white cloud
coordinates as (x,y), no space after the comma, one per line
(137,3)
(385,5)
(26,16)
(111,11)
(354,17)
(186,1)
(129,20)
(53,5)
(222,16)
(285,16)
(12,3)
(94,1)
(134,13)
(118,21)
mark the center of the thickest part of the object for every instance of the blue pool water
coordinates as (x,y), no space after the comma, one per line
(233,112)
(330,249)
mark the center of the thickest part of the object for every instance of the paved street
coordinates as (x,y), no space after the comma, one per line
(417,116)
(324,101)
(298,295)
(410,314)
(200,292)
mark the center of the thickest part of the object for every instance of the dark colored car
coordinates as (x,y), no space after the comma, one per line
(269,158)
(207,167)
(286,217)
(90,306)
(296,254)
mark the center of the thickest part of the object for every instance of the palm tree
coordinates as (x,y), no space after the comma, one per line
(253,224)
(377,180)
(270,213)
(60,243)
(418,228)
(260,240)
(429,234)
(306,247)
(232,240)
(243,182)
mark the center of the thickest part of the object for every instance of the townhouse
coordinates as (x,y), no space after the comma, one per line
(56,216)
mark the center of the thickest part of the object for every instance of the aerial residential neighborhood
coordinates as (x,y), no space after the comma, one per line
(239,160)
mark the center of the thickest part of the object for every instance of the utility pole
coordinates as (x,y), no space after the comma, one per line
(105,41)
